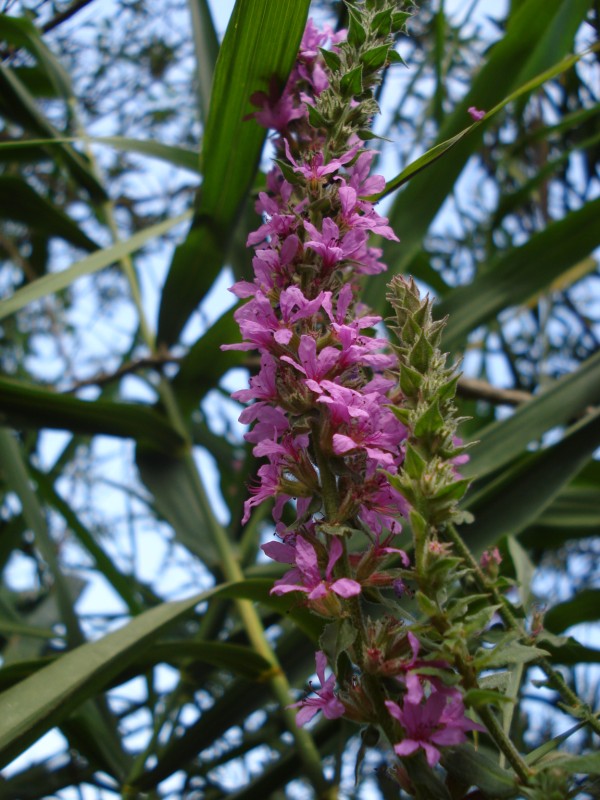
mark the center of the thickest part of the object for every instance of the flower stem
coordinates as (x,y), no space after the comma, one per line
(555,679)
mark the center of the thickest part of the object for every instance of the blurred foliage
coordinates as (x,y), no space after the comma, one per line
(122,468)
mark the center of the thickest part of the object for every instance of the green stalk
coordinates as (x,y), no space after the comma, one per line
(254,628)
(371,683)
(555,679)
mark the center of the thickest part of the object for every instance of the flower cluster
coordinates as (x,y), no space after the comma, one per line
(322,409)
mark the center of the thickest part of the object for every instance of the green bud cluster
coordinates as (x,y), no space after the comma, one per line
(428,479)
(348,105)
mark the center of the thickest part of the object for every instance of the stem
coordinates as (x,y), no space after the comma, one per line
(504,743)
(254,628)
(371,683)
(555,679)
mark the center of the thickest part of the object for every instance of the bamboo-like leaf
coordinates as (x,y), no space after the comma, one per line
(475,767)
(176,501)
(87,266)
(177,156)
(538,33)
(204,364)
(47,697)
(231,709)
(521,272)
(502,441)
(574,514)
(260,44)
(16,103)
(17,479)
(439,150)
(22,405)
(206,45)
(583,607)
(518,496)
(19,202)
(21,32)
(124,585)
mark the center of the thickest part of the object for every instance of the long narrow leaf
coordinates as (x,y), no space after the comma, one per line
(518,497)
(87,266)
(260,44)
(206,44)
(502,441)
(22,405)
(539,32)
(17,479)
(43,700)
(439,150)
(521,273)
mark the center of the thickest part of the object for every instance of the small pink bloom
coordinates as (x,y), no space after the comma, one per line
(476,113)
(434,722)
(325,699)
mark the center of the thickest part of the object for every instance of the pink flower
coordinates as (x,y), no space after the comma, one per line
(325,701)
(306,575)
(316,170)
(276,109)
(476,113)
(434,722)
(314,367)
(490,557)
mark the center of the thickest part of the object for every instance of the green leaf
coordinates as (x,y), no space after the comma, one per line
(430,422)
(239,659)
(586,764)
(337,638)
(177,156)
(333,61)
(567,650)
(17,104)
(357,35)
(440,149)
(583,607)
(22,405)
(351,82)
(502,441)
(413,464)
(485,697)
(124,585)
(87,266)
(21,32)
(43,700)
(260,45)
(520,273)
(505,654)
(375,58)
(20,203)
(538,31)
(17,479)
(475,768)
(574,514)
(524,569)
(534,756)
(176,500)
(206,46)
(519,495)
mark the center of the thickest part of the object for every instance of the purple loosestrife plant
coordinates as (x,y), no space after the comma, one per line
(359,435)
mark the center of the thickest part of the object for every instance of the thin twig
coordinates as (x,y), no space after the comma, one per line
(471,388)
(63,16)
(155,362)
